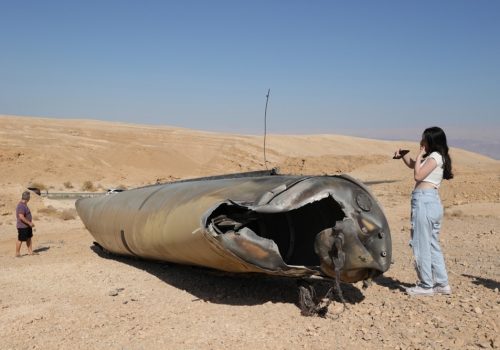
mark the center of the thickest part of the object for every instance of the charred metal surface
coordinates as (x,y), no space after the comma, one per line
(298,226)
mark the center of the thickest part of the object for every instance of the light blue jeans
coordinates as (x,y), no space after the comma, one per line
(426,216)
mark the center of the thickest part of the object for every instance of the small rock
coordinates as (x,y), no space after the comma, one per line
(367,336)
(336,309)
(115,292)
(478,310)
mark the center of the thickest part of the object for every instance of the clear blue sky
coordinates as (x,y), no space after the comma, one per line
(207,64)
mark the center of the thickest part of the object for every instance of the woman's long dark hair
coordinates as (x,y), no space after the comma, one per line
(436,142)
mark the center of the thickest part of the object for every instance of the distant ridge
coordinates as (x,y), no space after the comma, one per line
(486,147)
(482,140)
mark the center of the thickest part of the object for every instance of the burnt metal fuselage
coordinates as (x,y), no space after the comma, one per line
(299,226)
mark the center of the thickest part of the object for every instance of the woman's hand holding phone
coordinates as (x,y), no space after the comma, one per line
(400,153)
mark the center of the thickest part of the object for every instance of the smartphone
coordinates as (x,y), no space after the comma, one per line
(402,152)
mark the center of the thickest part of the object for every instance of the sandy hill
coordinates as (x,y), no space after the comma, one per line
(63,154)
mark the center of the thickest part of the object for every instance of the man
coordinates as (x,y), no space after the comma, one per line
(24,224)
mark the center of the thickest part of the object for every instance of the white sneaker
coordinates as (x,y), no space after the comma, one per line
(442,289)
(417,290)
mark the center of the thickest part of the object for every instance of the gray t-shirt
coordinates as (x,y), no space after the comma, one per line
(22,208)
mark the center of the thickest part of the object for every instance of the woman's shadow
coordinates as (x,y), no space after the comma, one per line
(232,288)
(485,282)
(391,283)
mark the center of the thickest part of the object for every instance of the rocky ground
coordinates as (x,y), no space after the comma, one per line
(71,295)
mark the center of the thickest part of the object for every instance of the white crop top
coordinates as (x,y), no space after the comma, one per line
(436,175)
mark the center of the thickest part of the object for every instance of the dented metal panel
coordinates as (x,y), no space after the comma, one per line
(274,224)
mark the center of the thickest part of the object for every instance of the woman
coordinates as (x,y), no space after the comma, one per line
(432,164)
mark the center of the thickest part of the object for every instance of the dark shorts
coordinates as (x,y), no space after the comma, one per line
(23,234)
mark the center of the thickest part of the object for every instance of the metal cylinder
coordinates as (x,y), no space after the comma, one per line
(272,224)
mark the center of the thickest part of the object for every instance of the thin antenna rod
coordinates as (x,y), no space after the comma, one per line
(265,126)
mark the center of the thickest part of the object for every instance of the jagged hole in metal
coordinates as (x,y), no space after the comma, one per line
(291,229)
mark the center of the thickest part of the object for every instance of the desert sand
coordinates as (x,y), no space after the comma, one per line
(72,296)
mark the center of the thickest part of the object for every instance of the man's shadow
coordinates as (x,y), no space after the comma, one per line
(232,288)
(40,249)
